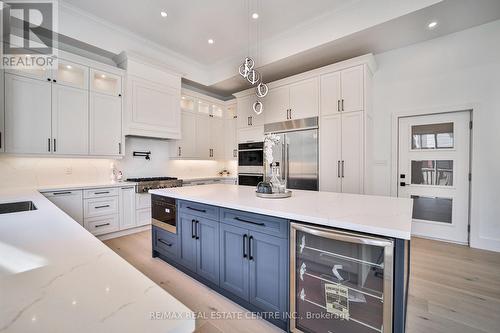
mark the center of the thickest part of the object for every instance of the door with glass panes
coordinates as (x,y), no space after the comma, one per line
(434,172)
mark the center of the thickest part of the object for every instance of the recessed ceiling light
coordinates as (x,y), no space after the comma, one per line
(69,67)
(163,14)
(211,41)
(432,25)
(103,76)
(255,16)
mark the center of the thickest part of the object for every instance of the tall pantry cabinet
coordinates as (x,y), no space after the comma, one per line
(345,118)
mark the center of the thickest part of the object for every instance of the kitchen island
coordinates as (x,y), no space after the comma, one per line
(280,257)
(55,276)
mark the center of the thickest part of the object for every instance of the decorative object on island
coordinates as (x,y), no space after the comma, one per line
(264,187)
(224,172)
(247,69)
(276,183)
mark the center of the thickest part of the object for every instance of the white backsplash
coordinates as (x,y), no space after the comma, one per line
(42,171)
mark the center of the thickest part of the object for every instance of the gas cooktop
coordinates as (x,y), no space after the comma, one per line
(153,183)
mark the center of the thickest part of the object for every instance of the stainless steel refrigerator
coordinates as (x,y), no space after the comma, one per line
(296,152)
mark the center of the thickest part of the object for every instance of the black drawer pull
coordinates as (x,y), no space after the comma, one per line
(197,226)
(192,228)
(250,252)
(245,245)
(197,209)
(104,206)
(163,242)
(251,222)
(61,193)
(102,225)
(97,193)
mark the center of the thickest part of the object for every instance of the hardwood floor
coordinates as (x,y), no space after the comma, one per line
(452,288)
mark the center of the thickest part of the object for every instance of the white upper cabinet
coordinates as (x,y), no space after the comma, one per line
(292,101)
(246,116)
(203,144)
(217,137)
(70,120)
(186,146)
(277,104)
(304,97)
(342,91)
(27,115)
(105,83)
(2,112)
(105,124)
(152,99)
(37,73)
(71,74)
(352,89)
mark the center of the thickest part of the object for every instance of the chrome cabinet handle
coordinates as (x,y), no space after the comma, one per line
(343,105)
(105,192)
(49,144)
(338,169)
(342,169)
(103,206)
(338,105)
(61,193)
(102,225)
(245,245)
(119,148)
(251,222)
(250,252)
(55,149)
(163,242)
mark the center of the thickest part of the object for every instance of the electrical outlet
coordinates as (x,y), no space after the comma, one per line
(68,170)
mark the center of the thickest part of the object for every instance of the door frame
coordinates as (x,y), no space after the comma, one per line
(471,108)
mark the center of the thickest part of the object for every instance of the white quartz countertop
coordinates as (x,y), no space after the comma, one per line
(50,188)
(384,216)
(57,277)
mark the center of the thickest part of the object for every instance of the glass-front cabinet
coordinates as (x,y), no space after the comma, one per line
(340,282)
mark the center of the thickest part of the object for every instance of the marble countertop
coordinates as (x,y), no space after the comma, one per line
(57,277)
(384,216)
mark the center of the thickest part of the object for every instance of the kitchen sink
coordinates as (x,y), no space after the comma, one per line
(15,207)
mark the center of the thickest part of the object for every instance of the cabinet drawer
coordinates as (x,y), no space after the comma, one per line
(197,209)
(101,192)
(100,207)
(102,224)
(165,242)
(265,224)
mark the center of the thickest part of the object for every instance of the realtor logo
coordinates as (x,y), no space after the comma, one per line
(28,34)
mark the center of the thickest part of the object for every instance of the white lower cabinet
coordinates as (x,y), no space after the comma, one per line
(70,202)
(127,207)
(100,206)
(105,124)
(143,217)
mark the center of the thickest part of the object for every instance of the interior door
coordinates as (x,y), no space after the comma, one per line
(301,165)
(434,172)
(28,110)
(70,120)
(352,153)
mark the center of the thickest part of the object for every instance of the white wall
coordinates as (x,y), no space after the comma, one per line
(448,73)
(41,171)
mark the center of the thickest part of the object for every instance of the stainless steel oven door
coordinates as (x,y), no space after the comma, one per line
(163,213)
(250,179)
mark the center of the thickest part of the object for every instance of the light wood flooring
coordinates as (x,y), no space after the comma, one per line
(452,288)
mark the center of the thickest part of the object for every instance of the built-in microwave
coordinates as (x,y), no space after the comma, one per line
(163,213)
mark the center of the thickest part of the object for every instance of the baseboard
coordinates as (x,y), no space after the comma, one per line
(124,232)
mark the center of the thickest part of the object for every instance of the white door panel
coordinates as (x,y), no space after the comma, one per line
(434,172)
(304,99)
(330,93)
(27,115)
(105,124)
(276,104)
(352,89)
(330,153)
(352,153)
(70,120)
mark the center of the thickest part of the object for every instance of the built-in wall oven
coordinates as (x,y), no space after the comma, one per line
(163,213)
(250,163)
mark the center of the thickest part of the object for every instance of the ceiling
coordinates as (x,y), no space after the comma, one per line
(190,24)
(295,35)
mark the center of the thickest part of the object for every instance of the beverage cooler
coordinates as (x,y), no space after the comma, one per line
(341,282)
